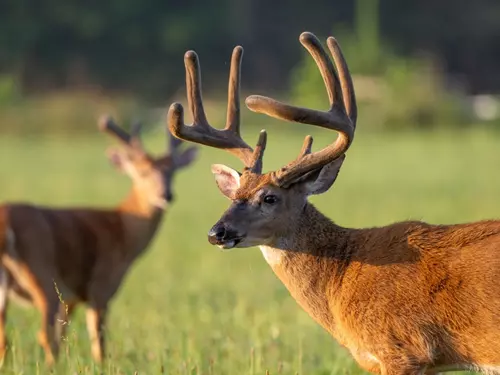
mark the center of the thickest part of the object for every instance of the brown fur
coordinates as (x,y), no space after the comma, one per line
(405,298)
(410,294)
(57,258)
(408,298)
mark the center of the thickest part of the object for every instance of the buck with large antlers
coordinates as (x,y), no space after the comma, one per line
(82,254)
(408,298)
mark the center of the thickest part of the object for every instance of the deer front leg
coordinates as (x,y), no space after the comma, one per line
(96,320)
(47,336)
(45,297)
(104,285)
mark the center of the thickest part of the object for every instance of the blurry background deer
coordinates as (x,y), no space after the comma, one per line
(427,147)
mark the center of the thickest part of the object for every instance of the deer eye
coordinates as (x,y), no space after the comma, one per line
(270,199)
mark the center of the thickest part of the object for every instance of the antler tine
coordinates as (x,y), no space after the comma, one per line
(135,136)
(333,119)
(200,131)
(132,140)
(345,79)
(306,147)
(326,69)
(233,91)
(258,153)
(193,86)
(106,124)
(340,116)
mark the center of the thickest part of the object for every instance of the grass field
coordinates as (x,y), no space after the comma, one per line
(188,308)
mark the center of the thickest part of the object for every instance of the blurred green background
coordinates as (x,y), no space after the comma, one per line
(427,147)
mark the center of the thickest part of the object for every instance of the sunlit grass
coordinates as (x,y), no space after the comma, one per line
(186,307)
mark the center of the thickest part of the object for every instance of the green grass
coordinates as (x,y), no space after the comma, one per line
(188,308)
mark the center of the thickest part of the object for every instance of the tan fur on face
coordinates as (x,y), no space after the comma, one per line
(251,183)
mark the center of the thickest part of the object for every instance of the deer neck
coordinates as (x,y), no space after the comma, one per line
(141,219)
(311,249)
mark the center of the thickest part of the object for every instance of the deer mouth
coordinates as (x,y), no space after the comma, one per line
(229,244)
(224,237)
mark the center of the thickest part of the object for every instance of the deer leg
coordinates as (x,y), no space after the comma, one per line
(47,336)
(45,298)
(96,320)
(4,293)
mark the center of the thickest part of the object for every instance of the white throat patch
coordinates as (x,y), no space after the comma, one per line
(273,256)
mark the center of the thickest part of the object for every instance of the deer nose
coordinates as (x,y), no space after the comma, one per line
(216,234)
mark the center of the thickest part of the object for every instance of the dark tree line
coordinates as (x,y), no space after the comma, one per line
(137,45)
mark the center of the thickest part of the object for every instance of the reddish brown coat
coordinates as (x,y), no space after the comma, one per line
(75,255)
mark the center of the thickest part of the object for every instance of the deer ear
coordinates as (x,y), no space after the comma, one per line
(227,179)
(186,157)
(320,181)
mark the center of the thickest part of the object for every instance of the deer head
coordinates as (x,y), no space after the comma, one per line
(150,175)
(265,205)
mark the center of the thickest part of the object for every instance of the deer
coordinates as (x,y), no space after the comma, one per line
(54,259)
(407,298)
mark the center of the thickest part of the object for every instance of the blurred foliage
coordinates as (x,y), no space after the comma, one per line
(70,113)
(136,47)
(393,92)
(9,90)
(74,113)
(415,96)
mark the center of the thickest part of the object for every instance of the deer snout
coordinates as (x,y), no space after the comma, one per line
(169,196)
(222,236)
(217,234)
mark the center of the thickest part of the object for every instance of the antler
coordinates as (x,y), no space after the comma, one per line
(201,131)
(340,117)
(107,124)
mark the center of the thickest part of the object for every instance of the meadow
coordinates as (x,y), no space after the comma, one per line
(187,307)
